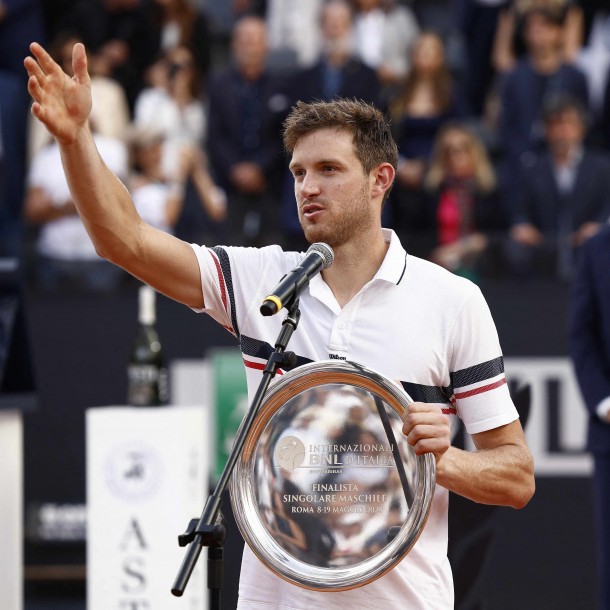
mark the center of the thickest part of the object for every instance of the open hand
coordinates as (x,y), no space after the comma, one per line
(62,103)
(427,429)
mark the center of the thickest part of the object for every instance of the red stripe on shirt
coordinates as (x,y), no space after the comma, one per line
(221,279)
(259,366)
(484,388)
(449,411)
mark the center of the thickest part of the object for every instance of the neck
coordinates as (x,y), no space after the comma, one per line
(563,155)
(546,61)
(355,264)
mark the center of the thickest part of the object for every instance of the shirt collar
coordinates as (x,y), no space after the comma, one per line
(392,268)
(394,264)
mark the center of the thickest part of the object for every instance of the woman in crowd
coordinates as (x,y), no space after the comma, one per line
(426,100)
(467,213)
(172,104)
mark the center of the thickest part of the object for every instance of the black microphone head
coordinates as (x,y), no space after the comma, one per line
(325,251)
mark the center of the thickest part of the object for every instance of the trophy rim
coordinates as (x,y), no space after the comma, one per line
(273,556)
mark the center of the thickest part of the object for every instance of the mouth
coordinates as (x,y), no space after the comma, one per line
(311,210)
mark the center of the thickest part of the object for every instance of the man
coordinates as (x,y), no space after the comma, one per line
(538,75)
(337,73)
(590,351)
(564,192)
(246,107)
(409,318)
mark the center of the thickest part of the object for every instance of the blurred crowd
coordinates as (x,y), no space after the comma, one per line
(500,109)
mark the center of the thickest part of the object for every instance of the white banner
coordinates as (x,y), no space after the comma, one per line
(147,476)
(557,425)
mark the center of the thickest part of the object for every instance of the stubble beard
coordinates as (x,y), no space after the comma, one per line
(352,222)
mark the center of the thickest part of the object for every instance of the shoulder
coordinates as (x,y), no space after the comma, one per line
(596,159)
(442,286)
(257,260)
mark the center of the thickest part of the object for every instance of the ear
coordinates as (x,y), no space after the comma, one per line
(382,178)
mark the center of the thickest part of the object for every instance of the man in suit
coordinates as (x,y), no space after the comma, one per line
(541,74)
(564,193)
(246,109)
(590,352)
(337,73)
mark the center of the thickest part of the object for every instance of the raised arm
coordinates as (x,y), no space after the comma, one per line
(63,104)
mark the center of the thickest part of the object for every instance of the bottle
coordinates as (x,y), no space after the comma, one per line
(146,372)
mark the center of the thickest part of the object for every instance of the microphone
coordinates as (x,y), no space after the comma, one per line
(319,256)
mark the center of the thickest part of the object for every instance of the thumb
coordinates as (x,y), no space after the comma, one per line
(79,64)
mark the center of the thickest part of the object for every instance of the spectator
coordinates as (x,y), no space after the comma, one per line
(467,211)
(66,256)
(294,33)
(173,105)
(543,73)
(337,73)
(177,23)
(246,107)
(426,100)
(564,193)
(110,110)
(384,34)
(511,44)
(159,197)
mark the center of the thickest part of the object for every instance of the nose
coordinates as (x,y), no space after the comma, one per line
(308,186)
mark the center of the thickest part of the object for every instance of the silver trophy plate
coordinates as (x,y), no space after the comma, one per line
(327,492)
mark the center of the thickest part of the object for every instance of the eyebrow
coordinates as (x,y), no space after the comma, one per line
(294,164)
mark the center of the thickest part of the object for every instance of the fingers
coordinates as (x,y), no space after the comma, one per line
(43,58)
(33,69)
(427,429)
(79,63)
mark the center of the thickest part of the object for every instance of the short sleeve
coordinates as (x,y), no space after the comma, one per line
(479,384)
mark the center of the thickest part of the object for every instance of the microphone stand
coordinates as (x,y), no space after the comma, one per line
(209,530)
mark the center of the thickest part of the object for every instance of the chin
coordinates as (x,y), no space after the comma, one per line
(314,234)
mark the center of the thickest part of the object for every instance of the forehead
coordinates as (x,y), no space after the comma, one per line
(322,144)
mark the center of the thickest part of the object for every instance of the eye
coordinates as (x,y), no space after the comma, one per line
(298,173)
(328,168)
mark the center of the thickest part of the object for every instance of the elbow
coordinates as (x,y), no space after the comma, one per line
(527,486)
(525,494)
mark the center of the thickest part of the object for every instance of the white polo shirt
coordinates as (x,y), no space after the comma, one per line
(414,322)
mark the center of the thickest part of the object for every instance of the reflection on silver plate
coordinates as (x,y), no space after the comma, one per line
(327,492)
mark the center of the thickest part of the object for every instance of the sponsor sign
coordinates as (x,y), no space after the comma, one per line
(147,476)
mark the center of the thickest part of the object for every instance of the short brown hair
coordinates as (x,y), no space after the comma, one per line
(373,142)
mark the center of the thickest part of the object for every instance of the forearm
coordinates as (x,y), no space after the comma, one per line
(101,199)
(502,476)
